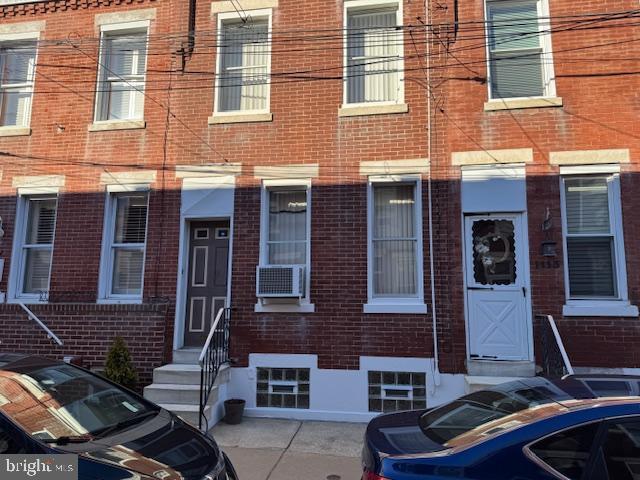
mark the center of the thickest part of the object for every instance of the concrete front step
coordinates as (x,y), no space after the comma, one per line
(188,356)
(189,413)
(498,368)
(176,393)
(177,373)
(475,383)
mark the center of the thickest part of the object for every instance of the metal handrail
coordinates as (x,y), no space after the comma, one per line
(32,316)
(214,355)
(559,345)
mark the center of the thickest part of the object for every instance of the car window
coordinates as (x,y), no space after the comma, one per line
(567,452)
(621,450)
(8,444)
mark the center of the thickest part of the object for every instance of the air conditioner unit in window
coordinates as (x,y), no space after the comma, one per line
(280,281)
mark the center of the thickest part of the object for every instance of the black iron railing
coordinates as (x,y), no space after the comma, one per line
(553,358)
(214,355)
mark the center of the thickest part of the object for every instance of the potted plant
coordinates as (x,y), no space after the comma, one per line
(233,410)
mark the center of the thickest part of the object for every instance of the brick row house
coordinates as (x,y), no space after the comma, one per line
(387,193)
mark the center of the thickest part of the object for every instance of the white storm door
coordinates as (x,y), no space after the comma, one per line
(497,279)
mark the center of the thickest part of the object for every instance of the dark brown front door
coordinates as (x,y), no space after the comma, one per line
(207,280)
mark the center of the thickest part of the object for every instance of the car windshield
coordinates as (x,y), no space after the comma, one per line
(51,401)
(450,421)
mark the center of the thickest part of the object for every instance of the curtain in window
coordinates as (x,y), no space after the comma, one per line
(287,242)
(128,244)
(373,52)
(515,49)
(17,66)
(38,244)
(244,60)
(394,241)
(590,241)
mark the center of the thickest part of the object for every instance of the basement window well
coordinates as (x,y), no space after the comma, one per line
(397,391)
(283,388)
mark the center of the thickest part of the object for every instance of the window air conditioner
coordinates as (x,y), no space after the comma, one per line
(280,281)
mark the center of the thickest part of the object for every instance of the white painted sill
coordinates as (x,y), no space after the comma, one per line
(359,110)
(223,118)
(520,103)
(284,308)
(406,308)
(15,131)
(117,125)
(118,301)
(587,308)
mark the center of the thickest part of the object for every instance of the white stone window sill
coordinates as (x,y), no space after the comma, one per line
(409,308)
(361,109)
(285,307)
(239,117)
(117,125)
(118,301)
(599,309)
(15,131)
(25,300)
(518,103)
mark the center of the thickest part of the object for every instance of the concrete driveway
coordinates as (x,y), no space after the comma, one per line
(269,449)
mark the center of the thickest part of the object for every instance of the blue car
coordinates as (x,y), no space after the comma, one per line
(576,428)
(50,407)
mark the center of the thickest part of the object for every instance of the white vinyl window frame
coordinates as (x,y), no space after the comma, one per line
(137,82)
(413,304)
(604,306)
(285,185)
(548,71)
(18,39)
(229,17)
(107,257)
(361,5)
(20,247)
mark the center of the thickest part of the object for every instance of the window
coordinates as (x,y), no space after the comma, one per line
(287,236)
(593,238)
(283,388)
(397,391)
(244,65)
(395,246)
(373,53)
(621,450)
(567,452)
(123,62)
(35,232)
(17,69)
(519,51)
(125,242)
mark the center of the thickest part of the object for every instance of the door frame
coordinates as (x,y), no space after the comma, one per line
(183,272)
(524,222)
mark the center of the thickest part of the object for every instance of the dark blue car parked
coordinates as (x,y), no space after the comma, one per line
(577,428)
(51,407)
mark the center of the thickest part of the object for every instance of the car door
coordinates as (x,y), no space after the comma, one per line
(618,453)
(11,439)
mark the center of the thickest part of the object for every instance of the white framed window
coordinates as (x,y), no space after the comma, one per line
(594,261)
(33,247)
(243,63)
(373,58)
(124,246)
(17,77)
(395,278)
(520,63)
(121,78)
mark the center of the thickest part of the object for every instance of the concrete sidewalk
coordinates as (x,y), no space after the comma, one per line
(269,449)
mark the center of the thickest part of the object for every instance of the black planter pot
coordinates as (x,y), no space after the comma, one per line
(233,410)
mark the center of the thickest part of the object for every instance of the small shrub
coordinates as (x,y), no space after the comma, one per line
(119,367)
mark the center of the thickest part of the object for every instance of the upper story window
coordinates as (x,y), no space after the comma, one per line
(374,37)
(123,63)
(244,64)
(519,49)
(17,73)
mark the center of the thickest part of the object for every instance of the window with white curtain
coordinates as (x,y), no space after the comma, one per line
(244,65)
(594,244)
(125,244)
(287,237)
(519,51)
(17,73)
(395,270)
(123,67)
(35,245)
(374,64)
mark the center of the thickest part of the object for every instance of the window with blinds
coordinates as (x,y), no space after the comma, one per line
(590,238)
(244,52)
(128,243)
(37,245)
(287,225)
(373,55)
(394,240)
(17,69)
(122,74)
(516,49)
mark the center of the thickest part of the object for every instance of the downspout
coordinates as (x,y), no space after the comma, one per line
(191,41)
(436,355)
